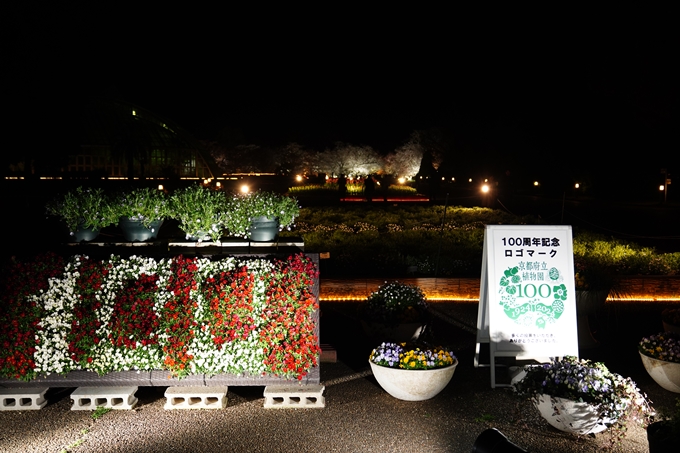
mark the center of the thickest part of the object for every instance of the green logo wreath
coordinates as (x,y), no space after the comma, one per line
(533,309)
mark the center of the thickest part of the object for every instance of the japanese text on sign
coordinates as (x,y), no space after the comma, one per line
(537,242)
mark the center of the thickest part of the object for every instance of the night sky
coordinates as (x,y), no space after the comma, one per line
(517,90)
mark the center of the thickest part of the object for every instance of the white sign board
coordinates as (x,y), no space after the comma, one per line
(527,305)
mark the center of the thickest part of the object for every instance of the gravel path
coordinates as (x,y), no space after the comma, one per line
(359,416)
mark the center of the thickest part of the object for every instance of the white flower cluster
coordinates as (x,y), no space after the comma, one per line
(242,355)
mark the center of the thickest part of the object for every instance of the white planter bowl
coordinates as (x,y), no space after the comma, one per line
(570,416)
(413,385)
(666,374)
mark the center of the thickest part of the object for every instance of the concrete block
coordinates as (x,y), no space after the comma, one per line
(196,397)
(90,398)
(328,354)
(294,397)
(22,399)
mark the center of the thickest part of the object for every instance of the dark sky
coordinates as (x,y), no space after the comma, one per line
(516,87)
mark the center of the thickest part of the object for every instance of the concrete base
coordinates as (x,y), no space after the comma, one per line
(196,397)
(294,397)
(18,399)
(90,398)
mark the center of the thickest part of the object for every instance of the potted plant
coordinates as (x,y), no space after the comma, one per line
(141,212)
(412,371)
(663,435)
(660,355)
(201,212)
(395,311)
(670,319)
(583,397)
(261,215)
(84,210)
(594,282)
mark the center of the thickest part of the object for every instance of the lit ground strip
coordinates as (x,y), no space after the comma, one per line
(456,298)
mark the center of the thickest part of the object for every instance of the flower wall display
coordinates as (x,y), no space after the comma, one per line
(236,315)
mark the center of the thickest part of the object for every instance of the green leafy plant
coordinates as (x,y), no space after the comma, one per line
(244,207)
(202,212)
(83,207)
(142,204)
(100,411)
(485,418)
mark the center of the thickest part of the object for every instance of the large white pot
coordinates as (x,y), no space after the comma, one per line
(666,374)
(570,416)
(413,385)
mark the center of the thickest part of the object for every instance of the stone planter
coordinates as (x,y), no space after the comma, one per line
(134,230)
(671,328)
(570,416)
(666,374)
(413,385)
(587,303)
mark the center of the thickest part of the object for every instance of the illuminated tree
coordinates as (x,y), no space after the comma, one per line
(405,160)
(349,160)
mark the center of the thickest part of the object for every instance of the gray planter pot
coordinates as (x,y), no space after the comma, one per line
(263,229)
(134,230)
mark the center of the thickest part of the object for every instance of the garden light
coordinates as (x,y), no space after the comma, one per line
(298,178)
(485,188)
(577,185)
(402,180)
(160,186)
(245,188)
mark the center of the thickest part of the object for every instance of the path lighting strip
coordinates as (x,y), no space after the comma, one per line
(452,297)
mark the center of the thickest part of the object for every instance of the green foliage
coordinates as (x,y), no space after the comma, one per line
(385,240)
(99,412)
(622,257)
(485,418)
(243,207)
(144,204)
(201,212)
(86,207)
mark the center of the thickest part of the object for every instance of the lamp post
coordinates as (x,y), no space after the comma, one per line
(666,182)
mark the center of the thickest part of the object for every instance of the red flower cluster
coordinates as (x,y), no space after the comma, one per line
(20,317)
(85,322)
(133,319)
(287,329)
(231,305)
(177,316)
(291,342)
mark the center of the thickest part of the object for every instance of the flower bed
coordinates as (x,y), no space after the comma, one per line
(244,316)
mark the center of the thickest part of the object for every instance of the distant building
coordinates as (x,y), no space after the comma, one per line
(119,139)
(113,139)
